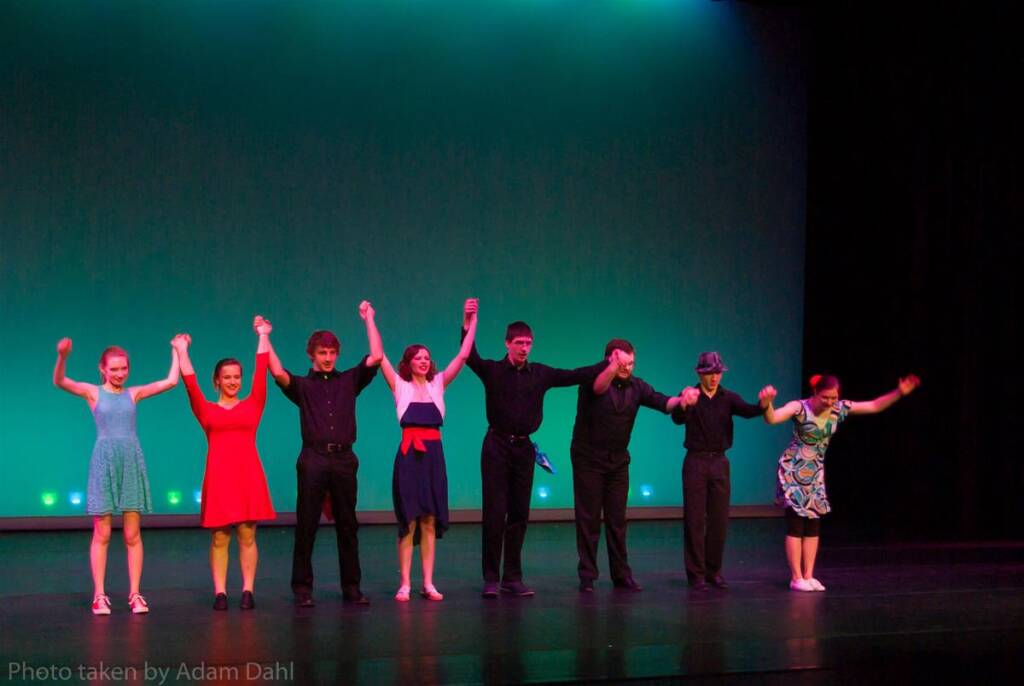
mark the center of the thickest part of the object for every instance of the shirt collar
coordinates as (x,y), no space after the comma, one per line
(314,374)
(525,368)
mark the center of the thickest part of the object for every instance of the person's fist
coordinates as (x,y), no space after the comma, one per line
(64,347)
(908,384)
(366,309)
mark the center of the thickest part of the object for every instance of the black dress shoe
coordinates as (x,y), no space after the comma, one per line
(490,589)
(628,584)
(355,597)
(699,586)
(304,600)
(586,585)
(718,581)
(516,588)
(248,602)
(220,602)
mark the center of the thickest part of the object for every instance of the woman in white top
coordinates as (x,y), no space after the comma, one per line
(419,483)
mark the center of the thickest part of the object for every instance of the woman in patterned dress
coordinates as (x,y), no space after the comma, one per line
(117,470)
(801,474)
(419,482)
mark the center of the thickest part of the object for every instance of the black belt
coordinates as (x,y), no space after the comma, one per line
(324,447)
(508,438)
(706,452)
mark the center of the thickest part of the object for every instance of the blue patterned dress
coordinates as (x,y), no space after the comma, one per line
(419,483)
(117,470)
(801,476)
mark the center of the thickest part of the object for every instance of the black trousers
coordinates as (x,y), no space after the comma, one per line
(506,471)
(706,493)
(600,482)
(320,473)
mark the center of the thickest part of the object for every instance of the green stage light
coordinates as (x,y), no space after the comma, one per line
(49,498)
(174,497)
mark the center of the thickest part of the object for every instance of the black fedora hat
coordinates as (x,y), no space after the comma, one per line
(710,363)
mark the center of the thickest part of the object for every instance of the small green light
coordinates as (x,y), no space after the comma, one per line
(174,497)
(49,498)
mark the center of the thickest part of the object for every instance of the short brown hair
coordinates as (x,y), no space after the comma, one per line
(618,344)
(322,338)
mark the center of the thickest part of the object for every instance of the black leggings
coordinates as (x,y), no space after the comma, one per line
(801,527)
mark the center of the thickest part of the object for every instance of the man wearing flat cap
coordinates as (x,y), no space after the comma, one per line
(707,410)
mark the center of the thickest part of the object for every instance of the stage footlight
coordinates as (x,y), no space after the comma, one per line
(48,498)
(75,498)
(543,492)
(198,496)
(646,491)
(174,497)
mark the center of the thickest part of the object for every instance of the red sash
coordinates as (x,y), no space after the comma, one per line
(415,435)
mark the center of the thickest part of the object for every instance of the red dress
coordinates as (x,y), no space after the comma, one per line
(234,485)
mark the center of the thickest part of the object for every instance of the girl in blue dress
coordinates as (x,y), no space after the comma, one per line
(801,474)
(419,483)
(117,471)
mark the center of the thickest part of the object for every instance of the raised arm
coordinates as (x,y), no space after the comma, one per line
(165,384)
(61,380)
(469,313)
(603,380)
(195,394)
(906,386)
(263,347)
(376,346)
(277,370)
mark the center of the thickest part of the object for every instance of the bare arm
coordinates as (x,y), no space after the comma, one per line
(157,387)
(607,375)
(389,372)
(469,324)
(786,412)
(906,386)
(181,343)
(60,379)
(376,346)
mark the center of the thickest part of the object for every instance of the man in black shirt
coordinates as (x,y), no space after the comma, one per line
(327,465)
(514,389)
(605,414)
(707,410)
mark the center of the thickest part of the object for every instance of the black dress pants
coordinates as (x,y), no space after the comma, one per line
(600,482)
(706,493)
(320,473)
(506,472)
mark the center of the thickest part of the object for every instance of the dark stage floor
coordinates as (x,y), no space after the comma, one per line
(913,613)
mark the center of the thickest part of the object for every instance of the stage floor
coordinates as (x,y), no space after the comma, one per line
(916,613)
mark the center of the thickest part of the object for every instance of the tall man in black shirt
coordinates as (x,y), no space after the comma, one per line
(327,415)
(605,414)
(514,389)
(707,410)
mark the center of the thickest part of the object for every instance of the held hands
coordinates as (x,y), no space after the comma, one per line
(64,347)
(689,396)
(181,342)
(767,395)
(261,326)
(906,385)
(366,310)
(469,312)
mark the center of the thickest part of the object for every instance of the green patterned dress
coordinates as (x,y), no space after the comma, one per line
(801,476)
(117,470)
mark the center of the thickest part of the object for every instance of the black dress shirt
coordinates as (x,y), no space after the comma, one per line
(709,422)
(515,395)
(327,403)
(605,422)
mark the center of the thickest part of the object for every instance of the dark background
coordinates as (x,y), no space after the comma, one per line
(913,260)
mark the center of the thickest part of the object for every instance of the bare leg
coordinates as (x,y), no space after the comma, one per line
(794,547)
(219,540)
(405,556)
(133,546)
(427,540)
(810,553)
(248,554)
(98,552)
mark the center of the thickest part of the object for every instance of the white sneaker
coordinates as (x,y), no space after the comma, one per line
(138,604)
(815,584)
(101,604)
(800,585)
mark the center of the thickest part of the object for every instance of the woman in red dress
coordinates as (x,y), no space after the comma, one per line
(235,489)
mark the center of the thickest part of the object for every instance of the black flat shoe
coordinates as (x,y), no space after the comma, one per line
(220,602)
(248,602)
(586,585)
(355,597)
(718,581)
(304,600)
(628,584)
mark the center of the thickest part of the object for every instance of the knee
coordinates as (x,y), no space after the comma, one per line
(247,537)
(101,535)
(426,526)
(220,539)
(132,537)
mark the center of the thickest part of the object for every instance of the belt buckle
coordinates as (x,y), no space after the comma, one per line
(333,447)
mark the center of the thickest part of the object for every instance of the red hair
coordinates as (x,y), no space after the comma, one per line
(112,351)
(823,382)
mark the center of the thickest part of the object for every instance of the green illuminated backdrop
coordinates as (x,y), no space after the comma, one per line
(599,169)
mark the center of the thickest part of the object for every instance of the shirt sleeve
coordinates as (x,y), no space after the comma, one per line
(474,361)
(293,391)
(742,408)
(364,374)
(195,398)
(652,399)
(557,378)
(259,383)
